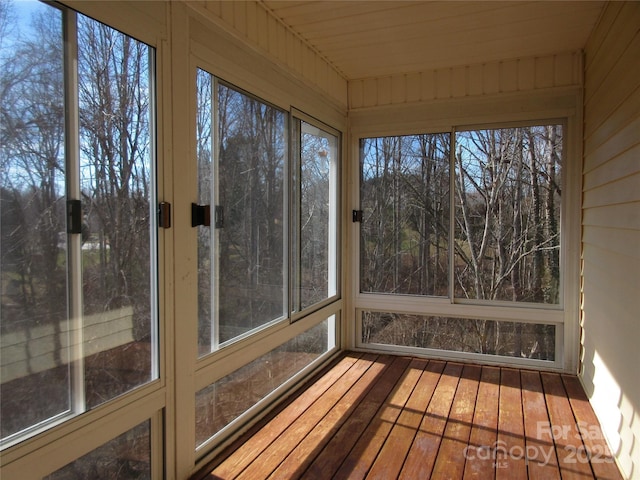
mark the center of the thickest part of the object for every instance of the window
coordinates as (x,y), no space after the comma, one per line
(472,216)
(227,399)
(468,335)
(315,214)
(242,151)
(126,456)
(507,214)
(267,220)
(404,195)
(78,244)
(245,248)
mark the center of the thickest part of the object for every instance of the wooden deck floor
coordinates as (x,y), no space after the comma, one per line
(386,417)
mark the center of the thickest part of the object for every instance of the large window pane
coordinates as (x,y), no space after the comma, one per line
(225,400)
(116,181)
(205,125)
(126,456)
(404,195)
(315,239)
(490,337)
(508,214)
(246,243)
(34,326)
(78,306)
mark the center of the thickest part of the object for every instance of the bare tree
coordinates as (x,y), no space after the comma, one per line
(404,196)
(115,142)
(505,233)
(251,190)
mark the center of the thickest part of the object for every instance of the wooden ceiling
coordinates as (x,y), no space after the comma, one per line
(368,38)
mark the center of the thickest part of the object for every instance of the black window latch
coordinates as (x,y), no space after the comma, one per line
(200,215)
(164,215)
(74,216)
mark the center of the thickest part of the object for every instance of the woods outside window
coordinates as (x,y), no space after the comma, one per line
(471,216)
(79,306)
(267,254)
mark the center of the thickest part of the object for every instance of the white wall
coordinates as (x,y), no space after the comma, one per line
(611,231)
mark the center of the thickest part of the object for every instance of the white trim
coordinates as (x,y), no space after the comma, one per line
(441,306)
(214,240)
(74,246)
(183,177)
(465,357)
(154,233)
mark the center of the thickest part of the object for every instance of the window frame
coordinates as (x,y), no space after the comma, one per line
(215,344)
(335,225)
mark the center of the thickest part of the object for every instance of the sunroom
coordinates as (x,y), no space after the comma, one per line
(214,212)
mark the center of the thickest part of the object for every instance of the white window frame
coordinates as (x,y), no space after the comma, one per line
(335,209)
(215,344)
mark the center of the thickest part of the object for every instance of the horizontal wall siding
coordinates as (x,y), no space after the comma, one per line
(518,75)
(611,230)
(256,26)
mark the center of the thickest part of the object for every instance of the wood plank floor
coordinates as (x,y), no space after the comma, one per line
(387,417)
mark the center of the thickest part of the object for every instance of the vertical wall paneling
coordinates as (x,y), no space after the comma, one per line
(509,76)
(398,89)
(384,90)
(516,75)
(443,83)
(526,74)
(545,75)
(412,86)
(254,24)
(611,230)
(474,80)
(491,79)
(428,85)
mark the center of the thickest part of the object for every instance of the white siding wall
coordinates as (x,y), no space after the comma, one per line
(611,230)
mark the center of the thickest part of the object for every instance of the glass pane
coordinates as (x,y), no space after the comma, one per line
(34,327)
(404,195)
(117,182)
(225,400)
(509,339)
(206,263)
(126,456)
(508,214)
(316,213)
(242,269)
